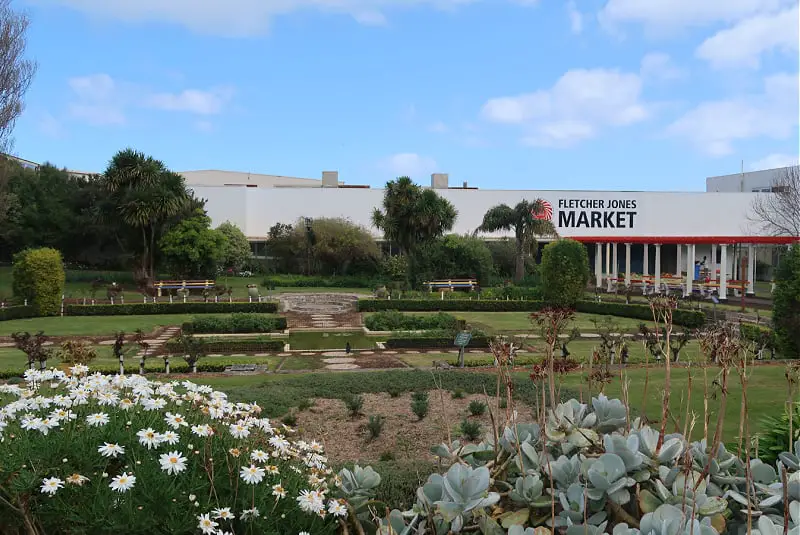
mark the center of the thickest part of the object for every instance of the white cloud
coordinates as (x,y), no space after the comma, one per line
(100,100)
(577,107)
(659,66)
(743,44)
(775,161)
(409,164)
(192,101)
(50,126)
(675,14)
(714,126)
(575,17)
(438,127)
(246,17)
(204,126)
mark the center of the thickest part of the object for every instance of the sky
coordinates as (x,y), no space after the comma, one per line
(501,94)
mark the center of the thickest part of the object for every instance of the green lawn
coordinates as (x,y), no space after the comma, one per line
(332,340)
(299,362)
(92,325)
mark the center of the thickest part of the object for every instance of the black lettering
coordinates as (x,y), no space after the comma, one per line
(597,219)
(607,222)
(561,203)
(630,219)
(601,202)
(620,219)
(566,219)
(633,205)
(583,220)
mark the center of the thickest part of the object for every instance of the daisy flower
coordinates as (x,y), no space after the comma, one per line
(252,474)
(170,437)
(304,533)
(51,484)
(234,452)
(148,437)
(205,524)
(239,431)
(337,508)
(126,403)
(30,423)
(173,462)
(110,450)
(259,456)
(175,421)
(202,430)
(249,514)
(278,491)
(310,502)
(97,419)
(77,479)
(123,482)
(272,469)
(47,424)
(223,513)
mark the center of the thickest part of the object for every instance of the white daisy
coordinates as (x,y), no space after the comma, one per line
(278,491)
(169,437)
(337,508)
(77,480)
(148,437)
(223,513)
(202,430)
(259,456)
(97,419)
(249,514)
(123,482)
(175,421)
(310,502)
(51,484)
(239,431)
(173,462)
(252,474)
(206,524)
(110,450)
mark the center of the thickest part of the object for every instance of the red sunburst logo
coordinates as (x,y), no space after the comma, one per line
(545,212)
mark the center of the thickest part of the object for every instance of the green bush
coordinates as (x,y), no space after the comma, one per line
(135,309)
(39,278)
(235,323)
(774,440)
(476,407)
(375,426)
(90,275)
(433,340)
(470,429)
(458,394)
(565,272)
(261,344)
(420,407)
(17,313)
(290,419)
(786,304)
(691,319)
(529,293)
(302,281)
(392,320)
(763,337)
(354,404)
(489,362)
(394,391)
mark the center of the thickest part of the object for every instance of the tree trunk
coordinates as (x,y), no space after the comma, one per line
(152,255)
(144,260)
(519,270)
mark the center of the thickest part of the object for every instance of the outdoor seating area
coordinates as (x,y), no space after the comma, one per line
(184,285)
(467,285)
(668,283)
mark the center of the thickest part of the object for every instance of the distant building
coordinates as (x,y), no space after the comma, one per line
(750,182)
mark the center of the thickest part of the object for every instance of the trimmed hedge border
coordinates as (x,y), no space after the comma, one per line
(759,334)
(479,342)
(684,318)
(232,346)
(134,309)
(17,313)
(236,323)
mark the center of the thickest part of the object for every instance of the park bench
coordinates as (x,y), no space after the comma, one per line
(241,368)
(184,285)
(452,284)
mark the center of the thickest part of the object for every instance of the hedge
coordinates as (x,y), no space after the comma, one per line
(251,345)
(134,309)
(487,362)
(299,281)
(685,318)
(431,342)
(761,335)
(17,313)
(235,323)
(392,320)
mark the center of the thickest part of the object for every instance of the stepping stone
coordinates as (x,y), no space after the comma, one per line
(284,354)
(261,354)
(308,354)
(337,354)
(411,352)
(342,366)
(366,352)
(47,344)
(7,344)
(216,355)
(390,352)
(339,361)
(239,355)
(102,343)
(590,335)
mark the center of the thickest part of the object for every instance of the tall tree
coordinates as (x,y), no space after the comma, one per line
(192,248)
(16,72)
(786,304)
(778,212)
(412,215)
(146,197)
(236,251)
(527,225)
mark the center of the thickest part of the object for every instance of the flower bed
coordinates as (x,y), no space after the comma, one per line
(235,323)
(121,454)
(261,344)
(135,309)
(392,320)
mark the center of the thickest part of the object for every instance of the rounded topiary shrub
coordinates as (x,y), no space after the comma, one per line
(565,272)
(39,278)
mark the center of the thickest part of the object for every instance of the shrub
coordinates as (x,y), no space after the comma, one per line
(565,272)
(39,277)
(305,404)
(387,456)
(458,393)
(136,309)
(763,337)
(290,419)
(774,439)
(394,391)
(477,408)
(786,304)
(470,429)
(261,344)
(302,281)
(432,340)
(420,395)
(354,404)
(157,501)
(17,313)
(392,320)
(502,403)
(375,426)
(235,323)
(419,407)
(77,352)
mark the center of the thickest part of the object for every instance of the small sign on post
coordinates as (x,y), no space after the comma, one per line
(461,341)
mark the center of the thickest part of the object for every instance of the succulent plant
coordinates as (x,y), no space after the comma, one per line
(671,448)
(574,503)
(566,470)
(611,413)
(528,491)
(608,477)
(626,449)
(571,425)
(670,520)
(465,489)
(359,485)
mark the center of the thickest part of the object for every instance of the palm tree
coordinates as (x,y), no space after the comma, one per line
(413,216)
(526,225)
(146,194)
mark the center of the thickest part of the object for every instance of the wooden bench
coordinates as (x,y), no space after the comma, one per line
(184,285)
(452,284)
(240,368)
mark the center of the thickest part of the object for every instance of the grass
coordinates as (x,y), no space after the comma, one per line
(299,362)
(92,326)
(331,340)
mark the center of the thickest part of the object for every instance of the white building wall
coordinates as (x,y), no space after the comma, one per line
(744,182)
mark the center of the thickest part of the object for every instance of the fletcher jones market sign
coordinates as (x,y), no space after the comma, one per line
(591,213)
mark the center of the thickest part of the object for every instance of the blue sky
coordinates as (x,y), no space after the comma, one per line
(503,94)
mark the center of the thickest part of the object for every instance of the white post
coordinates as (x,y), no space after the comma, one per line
(646,261)
(678,262)
(598,264)
(751,269)
(657,267)
(608,259)
(723,272)
(615,261)
(689,269)
(627,264)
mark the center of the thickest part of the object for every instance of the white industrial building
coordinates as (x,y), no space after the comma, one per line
(666,234)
